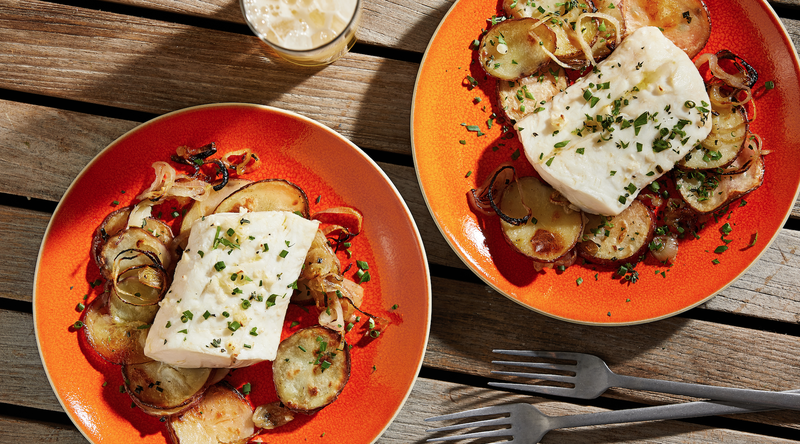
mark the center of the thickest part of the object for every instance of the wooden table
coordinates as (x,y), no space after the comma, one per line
(76,75)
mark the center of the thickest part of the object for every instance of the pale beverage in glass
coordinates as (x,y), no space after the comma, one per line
(306,32)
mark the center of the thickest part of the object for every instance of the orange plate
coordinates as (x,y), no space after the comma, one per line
(292,147)
(447,170)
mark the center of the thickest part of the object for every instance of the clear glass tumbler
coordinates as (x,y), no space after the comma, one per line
(305,32)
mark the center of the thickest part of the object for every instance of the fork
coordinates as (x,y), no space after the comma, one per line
(529,425)
(593,377)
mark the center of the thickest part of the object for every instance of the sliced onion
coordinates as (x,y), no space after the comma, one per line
(665,248)
(483,198)
(247,157)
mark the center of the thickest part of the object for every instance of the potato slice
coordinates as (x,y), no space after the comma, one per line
(117,331)
(706,191)
(685,22)
(562,15)
(552,231)
(160,389)
(205,207)
(311,369)
(513,48)
(524,96)
(611,240)
(132,238)
(223,416)
(722,146)
(267,195)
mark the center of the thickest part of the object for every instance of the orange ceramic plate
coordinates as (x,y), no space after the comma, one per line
(292,147)
(448,169)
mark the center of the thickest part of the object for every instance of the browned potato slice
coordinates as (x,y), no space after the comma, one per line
(117,331)
(311,369)
(609,240)
(513,48)
(722,146)
(272,415)
(267,195)
(562,15)
(706,192)
(223,416)
(685,22)
(160,389)
(551,232)
(159,229)
(132,238)
(524,96)
(207,206)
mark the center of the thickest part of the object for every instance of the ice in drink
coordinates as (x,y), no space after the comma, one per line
(312,30)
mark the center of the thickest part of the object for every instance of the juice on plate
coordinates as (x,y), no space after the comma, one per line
(308,32)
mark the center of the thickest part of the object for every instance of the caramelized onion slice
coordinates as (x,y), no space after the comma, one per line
(311,369)
(223,415)
(272,415)
(141,284)
(485,199)
(160,389)
(133,239)
(347,217)
(552,229)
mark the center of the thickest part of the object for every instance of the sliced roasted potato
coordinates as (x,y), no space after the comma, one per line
(160,389)
(127,240)
(562,18)
(115,222)
(267,195)
(311,369)
(117,331)
(608,240)
(223,416)
(205,207)
(722,146)
(552,230)
(513,48)
(524,96)
(706,191)
(685,22)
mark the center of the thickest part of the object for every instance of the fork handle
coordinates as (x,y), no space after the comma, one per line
(782,400)
(662,412)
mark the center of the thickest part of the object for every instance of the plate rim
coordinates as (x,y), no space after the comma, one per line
(795,61)
(270,109)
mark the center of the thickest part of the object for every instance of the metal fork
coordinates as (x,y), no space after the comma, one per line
(593,377)
(529,425)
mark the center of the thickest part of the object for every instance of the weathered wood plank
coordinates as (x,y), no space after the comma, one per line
(399,24)
(430,398)
(696,351)
(156,67)
(407,25)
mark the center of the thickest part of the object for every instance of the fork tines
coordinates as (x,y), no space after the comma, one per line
(484,411)
(544,389)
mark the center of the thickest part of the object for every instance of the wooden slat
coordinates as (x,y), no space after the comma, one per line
(430,398)
(406,25)
(694,351)
(156,67)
